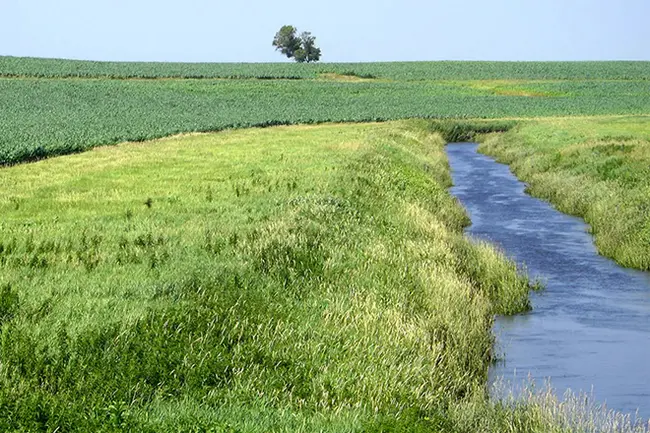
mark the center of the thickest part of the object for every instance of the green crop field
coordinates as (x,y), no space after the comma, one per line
(53,116)
(34,67)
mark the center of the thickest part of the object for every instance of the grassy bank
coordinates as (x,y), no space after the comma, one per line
(307,278)
(52,107)
(596,168)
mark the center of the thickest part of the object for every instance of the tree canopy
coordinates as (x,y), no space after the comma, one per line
(301,48)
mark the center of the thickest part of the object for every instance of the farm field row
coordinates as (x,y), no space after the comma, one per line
(443,70)
(46,117)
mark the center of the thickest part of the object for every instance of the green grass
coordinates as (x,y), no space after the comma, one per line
(303,278)
(44,117)
(596,168)
(310,278)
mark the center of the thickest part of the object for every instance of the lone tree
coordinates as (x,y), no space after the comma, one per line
(301,48)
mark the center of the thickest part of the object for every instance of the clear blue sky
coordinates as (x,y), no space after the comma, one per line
(346,30)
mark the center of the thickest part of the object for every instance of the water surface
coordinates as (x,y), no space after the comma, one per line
(590,328)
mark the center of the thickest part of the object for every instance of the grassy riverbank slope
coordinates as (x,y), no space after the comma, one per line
(596,168)
(310,278)
(54,107)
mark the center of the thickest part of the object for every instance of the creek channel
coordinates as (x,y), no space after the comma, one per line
(589,329)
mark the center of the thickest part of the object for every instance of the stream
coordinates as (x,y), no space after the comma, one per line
(589,329)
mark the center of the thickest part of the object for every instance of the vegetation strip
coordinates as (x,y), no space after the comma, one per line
(294,278)
(45,117)
(598,169)
(445,70)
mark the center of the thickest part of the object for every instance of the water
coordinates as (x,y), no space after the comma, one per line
(590,328)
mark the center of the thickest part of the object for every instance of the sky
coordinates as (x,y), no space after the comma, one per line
(345,30)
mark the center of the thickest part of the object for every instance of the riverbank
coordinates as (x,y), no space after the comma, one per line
(588,330)
(311,278)
(595,168)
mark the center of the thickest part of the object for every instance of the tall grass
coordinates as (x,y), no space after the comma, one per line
(456,131)
(597,168)
(287,279)
(570,412)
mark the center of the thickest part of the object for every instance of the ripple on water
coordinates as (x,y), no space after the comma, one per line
(590,329)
